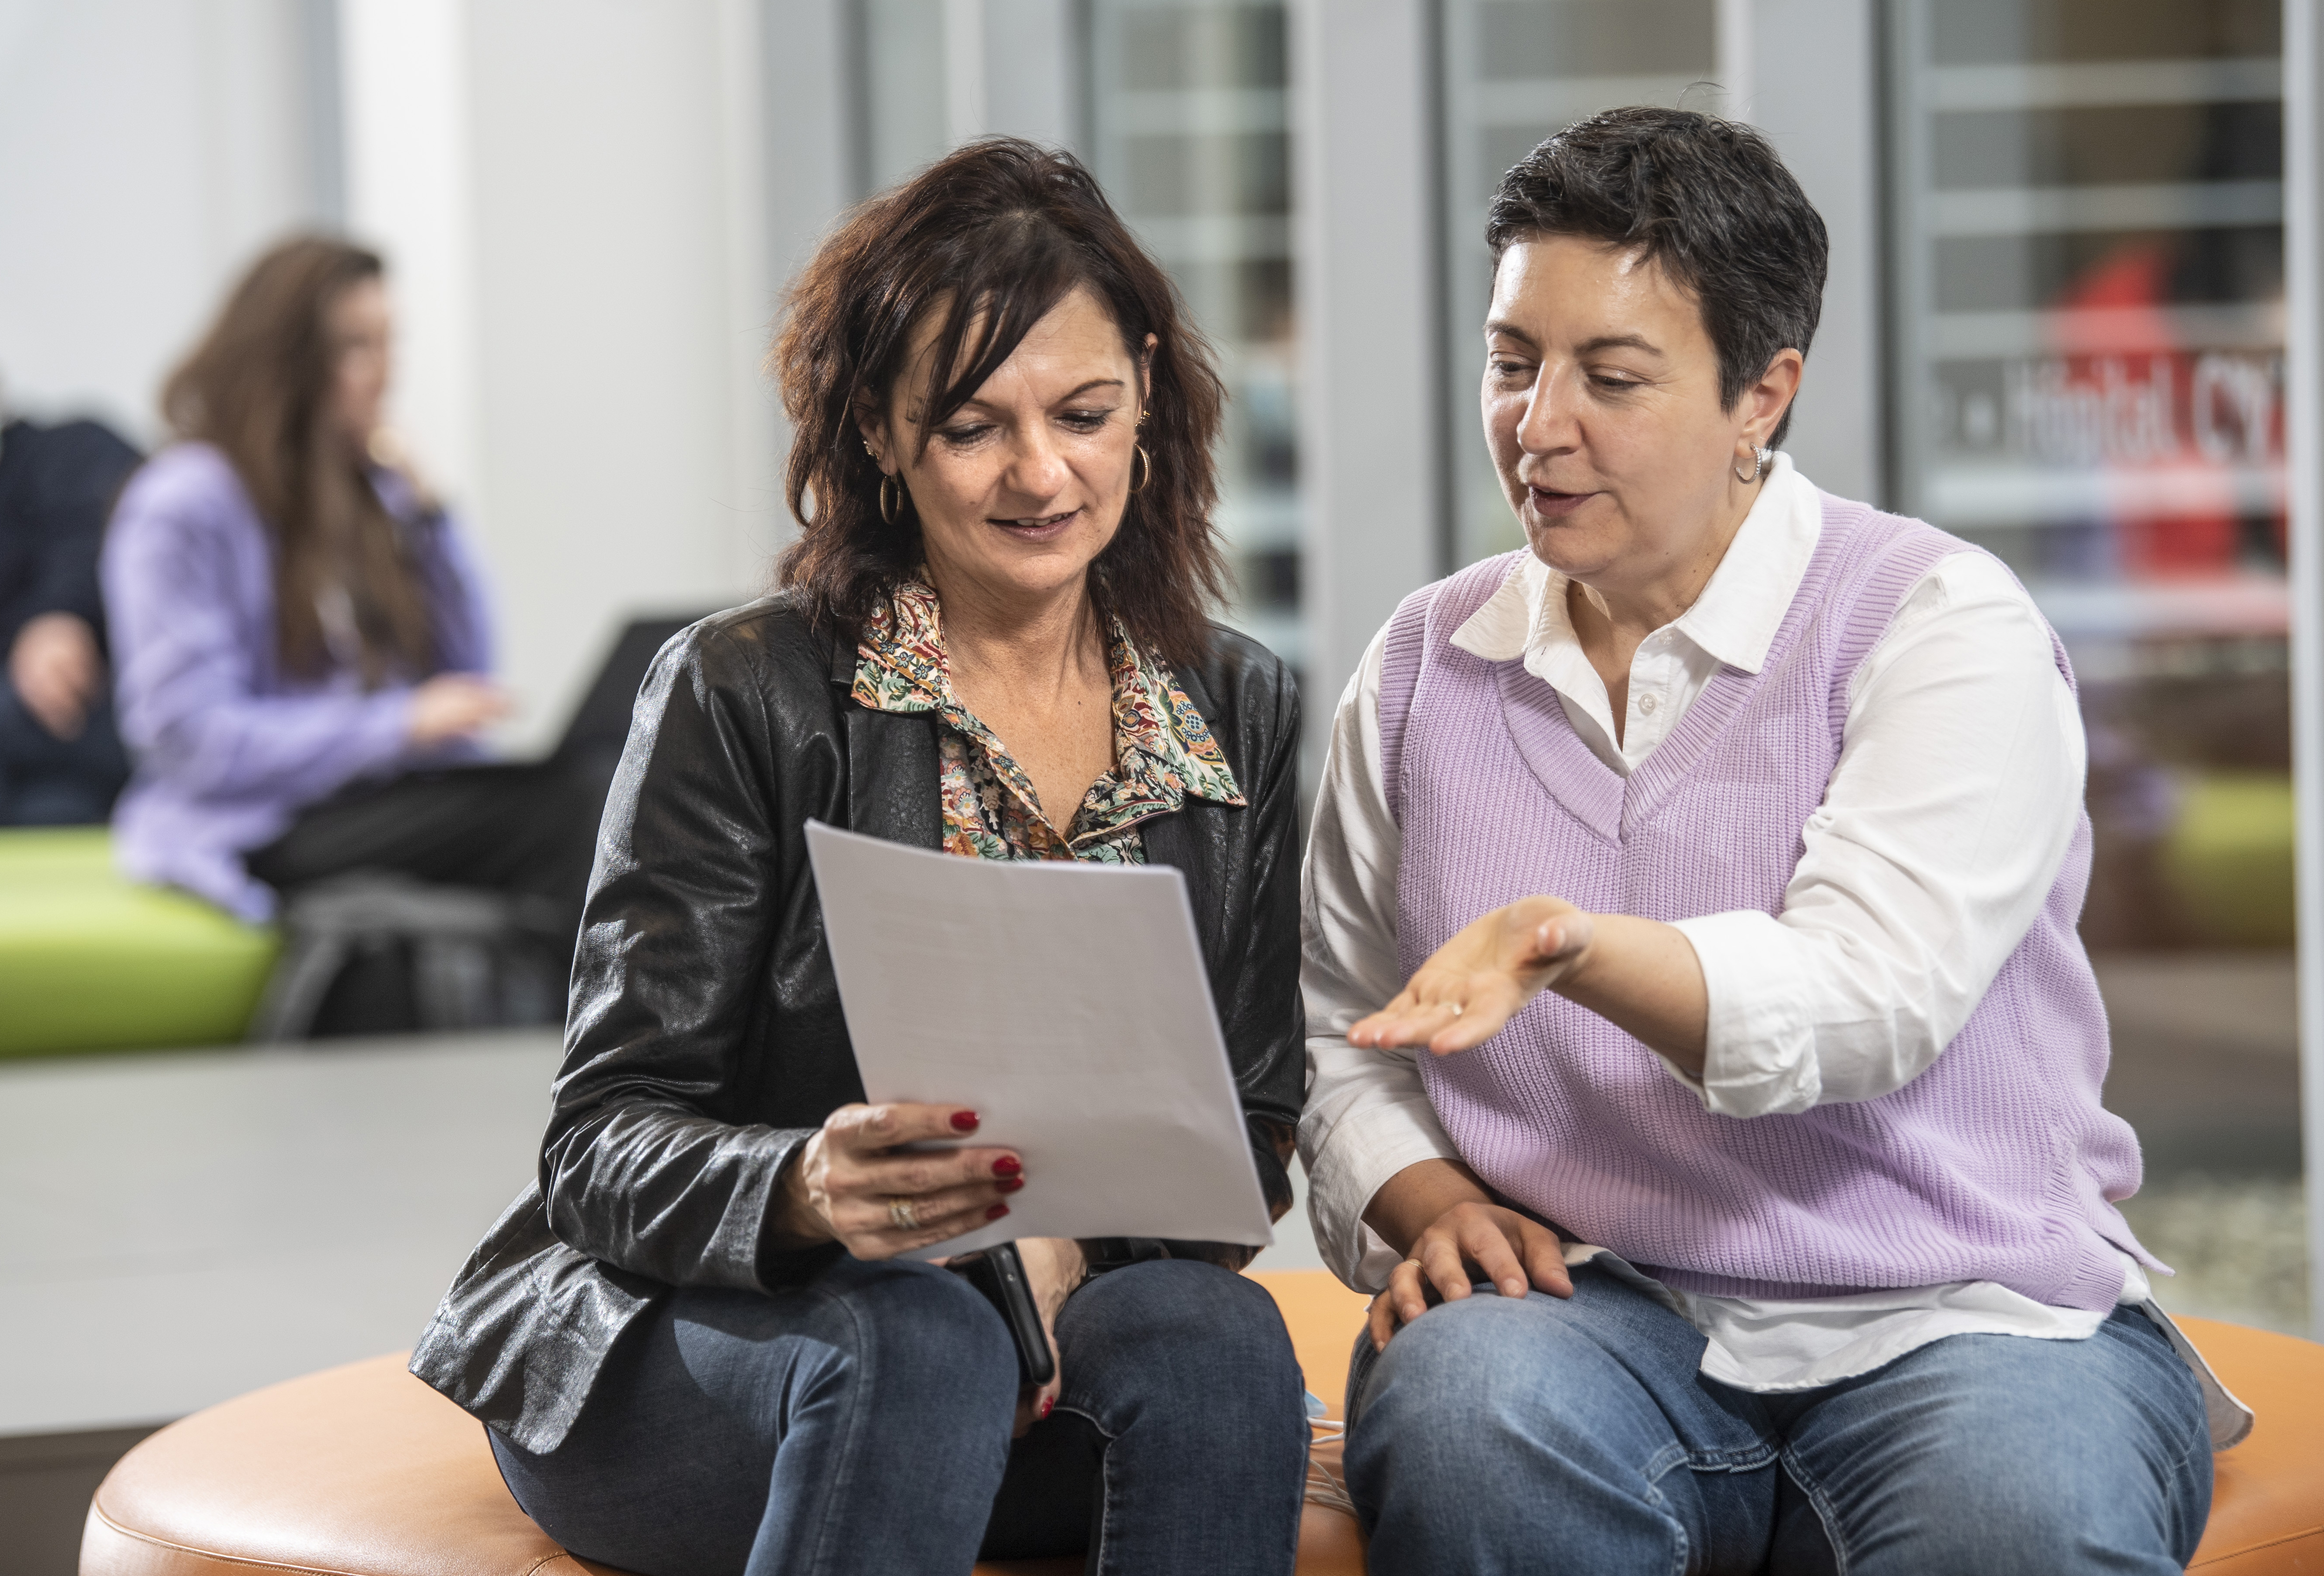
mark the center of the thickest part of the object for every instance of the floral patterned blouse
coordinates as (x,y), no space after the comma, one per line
(1163,750)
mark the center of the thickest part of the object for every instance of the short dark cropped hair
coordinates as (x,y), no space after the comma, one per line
(991,236)
(1705,198)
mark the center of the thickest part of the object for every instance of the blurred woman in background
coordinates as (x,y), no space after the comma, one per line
(299,631)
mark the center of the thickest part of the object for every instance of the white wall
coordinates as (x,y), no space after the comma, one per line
(408,147)
(148,148)
(620,290)
(589,239)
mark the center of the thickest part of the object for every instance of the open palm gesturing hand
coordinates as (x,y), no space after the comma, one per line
(1471,986)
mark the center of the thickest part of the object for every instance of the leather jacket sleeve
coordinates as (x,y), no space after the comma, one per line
(1271,1023)
(1242,871)
(638,1169)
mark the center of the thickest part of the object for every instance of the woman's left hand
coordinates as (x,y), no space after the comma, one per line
(1472,985)
(1055,1266)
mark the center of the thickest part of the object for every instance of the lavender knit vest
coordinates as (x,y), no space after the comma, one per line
(1995,1163)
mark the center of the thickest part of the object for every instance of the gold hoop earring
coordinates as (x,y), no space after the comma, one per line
(891,506)
(1146,469)
(1758,465)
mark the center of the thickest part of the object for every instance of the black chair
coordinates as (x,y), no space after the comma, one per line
(387,952)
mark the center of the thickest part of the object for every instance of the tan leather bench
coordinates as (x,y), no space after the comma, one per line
(364,1471)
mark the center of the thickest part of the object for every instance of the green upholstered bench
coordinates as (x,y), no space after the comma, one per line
(89,961)
(2228,858)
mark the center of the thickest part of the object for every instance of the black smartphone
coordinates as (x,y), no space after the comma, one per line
(999,1273)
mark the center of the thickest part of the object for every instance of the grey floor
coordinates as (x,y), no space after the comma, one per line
(185,1227)
(182,1228)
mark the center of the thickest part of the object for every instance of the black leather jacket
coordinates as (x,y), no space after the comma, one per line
(705,1042)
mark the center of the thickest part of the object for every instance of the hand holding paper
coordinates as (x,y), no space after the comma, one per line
(1065,1003)
(865,1180)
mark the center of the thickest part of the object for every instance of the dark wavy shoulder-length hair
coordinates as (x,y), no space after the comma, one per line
(991,236)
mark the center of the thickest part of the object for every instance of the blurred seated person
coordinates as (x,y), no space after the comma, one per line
(61,760)
(301,636)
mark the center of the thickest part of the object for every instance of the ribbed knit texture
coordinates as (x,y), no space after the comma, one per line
(1997,1164)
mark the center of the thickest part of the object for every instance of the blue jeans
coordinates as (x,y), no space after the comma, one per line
(1542,1433)
(860,1423)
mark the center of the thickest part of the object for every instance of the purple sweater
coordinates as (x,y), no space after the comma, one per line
(228,748)
(1997,1164)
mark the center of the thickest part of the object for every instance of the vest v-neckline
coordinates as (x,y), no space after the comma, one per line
(1607,801)
(1555,754)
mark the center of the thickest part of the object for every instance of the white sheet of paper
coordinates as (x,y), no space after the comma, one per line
(1066,1004)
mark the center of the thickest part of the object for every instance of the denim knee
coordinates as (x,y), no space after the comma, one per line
(1447,1378)
(922,1333)
(1203,1335)
(896,1337)
(1473,1385)
(1492,1427)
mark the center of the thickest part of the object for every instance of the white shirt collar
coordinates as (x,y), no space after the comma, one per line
(1733,621)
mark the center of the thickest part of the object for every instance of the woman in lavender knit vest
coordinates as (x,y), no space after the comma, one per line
(1752,1207)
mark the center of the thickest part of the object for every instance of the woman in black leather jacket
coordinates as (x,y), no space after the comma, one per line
(692,1342)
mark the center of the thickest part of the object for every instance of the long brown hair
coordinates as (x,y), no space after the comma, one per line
(994,235)
(258,388)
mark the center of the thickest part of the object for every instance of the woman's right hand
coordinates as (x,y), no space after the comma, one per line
(1471,986)
(1473,1240)
(854,1184)
(453,706)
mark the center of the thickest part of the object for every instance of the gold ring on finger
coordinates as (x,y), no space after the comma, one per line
(900,1215)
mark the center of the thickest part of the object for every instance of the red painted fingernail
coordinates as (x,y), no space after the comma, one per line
(964,1122)
(1008,1165)
(1011,1184)
(1048,1404)
(996,1211)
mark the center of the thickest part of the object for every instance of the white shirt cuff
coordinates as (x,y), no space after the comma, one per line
(1759,1054)
(1369,1144)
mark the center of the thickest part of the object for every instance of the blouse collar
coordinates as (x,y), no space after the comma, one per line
(1733,621)
(1164,751)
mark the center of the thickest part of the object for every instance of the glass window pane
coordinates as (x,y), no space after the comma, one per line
(1517,72)
(2087,292)
(1181,111)
(1190,134)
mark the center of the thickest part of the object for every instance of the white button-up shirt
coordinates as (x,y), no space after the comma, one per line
(1944,827)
